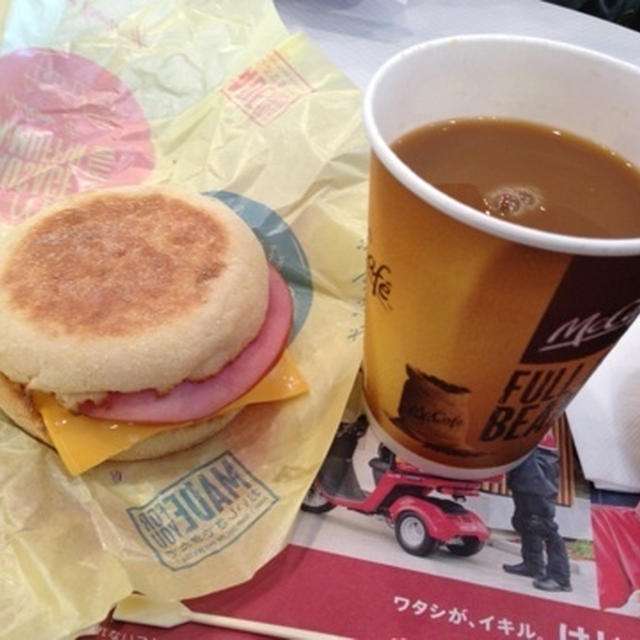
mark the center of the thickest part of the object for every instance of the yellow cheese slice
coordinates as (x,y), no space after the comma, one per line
(84,442)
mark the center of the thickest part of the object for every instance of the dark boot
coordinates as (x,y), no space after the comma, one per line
(558,568)
(522,569)
(551,584)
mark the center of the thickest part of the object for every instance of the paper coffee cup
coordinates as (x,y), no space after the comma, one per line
(479,332)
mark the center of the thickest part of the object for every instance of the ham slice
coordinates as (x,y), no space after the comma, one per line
(195,400)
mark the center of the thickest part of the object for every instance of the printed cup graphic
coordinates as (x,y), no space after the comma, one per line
(479,332)
(435,413)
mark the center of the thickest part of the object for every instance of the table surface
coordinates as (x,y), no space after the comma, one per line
(358,35)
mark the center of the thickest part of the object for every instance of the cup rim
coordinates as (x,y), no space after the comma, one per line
(511,231)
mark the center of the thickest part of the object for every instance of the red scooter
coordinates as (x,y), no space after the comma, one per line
(421,522)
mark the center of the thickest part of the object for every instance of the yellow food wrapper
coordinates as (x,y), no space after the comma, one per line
(218,98)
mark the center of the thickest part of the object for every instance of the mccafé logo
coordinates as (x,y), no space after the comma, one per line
(576,332)
(378,276)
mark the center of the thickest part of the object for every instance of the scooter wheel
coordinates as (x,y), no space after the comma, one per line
(468,546)
(315,502)
(412,534)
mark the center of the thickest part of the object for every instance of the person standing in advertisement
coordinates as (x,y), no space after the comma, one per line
(534,487)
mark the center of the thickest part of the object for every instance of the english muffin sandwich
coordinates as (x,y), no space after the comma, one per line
(135,321)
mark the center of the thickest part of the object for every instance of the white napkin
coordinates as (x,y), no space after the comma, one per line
(605,418)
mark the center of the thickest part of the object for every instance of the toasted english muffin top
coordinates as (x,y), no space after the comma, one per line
(115,265)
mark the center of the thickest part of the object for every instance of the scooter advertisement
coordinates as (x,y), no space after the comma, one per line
(403,495)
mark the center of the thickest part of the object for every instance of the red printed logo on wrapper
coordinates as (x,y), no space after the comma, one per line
(267,89)
(66,125)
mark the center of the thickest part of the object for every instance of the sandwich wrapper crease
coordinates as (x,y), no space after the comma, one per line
(218,98)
